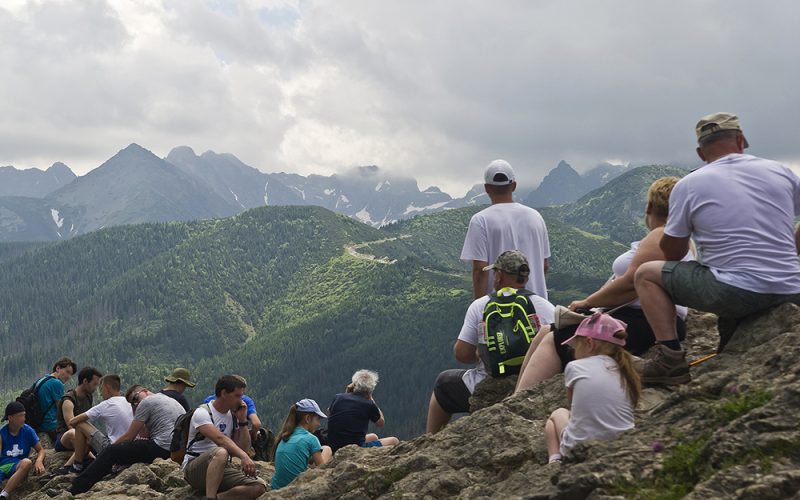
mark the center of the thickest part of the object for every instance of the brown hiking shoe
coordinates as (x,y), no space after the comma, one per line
(664,366)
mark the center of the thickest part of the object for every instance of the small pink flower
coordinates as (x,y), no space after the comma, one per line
(657,446)
(734,389)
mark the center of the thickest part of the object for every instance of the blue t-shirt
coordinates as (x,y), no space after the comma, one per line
(251,405)
(292,456)
(350,415)
(50,393)
(15,448)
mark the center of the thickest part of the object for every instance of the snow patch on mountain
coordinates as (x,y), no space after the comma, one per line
(411,208)
(329,191)
(266,197)
(57,219)
(364,216)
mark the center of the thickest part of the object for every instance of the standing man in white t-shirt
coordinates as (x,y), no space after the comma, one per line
(505,225)
(218,431)
(740,210)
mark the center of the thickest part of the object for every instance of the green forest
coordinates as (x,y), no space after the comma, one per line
(274,294)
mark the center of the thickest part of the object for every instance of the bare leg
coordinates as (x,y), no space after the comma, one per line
(68,441)
(437,417)
(20,474)
(215,472)
(534,344)
(80,444)
(390,441)
(656,303)
(544,363)
(552,430)
(370,437)
(243,492)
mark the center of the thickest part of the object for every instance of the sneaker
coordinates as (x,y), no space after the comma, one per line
(664,366)
(66,470)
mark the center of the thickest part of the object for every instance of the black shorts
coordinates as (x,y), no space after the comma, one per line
(451,392)
(640,335)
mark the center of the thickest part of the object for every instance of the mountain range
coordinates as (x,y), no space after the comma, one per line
(294,298)
(136,186)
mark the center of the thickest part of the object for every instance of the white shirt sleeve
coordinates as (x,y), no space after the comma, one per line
(574,372)
(98,411)
(544,309)
(679,220)
(201,417)
(476,245)
(471,329)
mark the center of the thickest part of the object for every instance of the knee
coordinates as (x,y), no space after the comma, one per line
(561,413)
(649,271)
(392,441)
(221,455)
(25,465)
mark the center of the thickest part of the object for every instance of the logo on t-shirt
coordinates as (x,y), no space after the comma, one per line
(222,426)
(15,451)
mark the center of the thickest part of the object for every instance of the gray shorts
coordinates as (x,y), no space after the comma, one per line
(99,441)
(693,285)
(195,473)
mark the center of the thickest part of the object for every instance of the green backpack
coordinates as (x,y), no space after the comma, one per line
(510,325)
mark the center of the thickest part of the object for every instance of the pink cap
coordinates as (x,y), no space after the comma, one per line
(599,326)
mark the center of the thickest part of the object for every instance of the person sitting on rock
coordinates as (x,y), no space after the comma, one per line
(50,390)
(114,413)
(453,388)
(351,412)
(75,402)
(155,412)
(740,210)
(603,387)
(298,447)
(253,422)
(547,356)
(16,440)
(218,432)
(177,382)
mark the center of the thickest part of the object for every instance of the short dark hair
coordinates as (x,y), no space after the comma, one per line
(88,373)
(131,390)
(722,135)
(113,382)
(499,190)
(229,383)
(65,362)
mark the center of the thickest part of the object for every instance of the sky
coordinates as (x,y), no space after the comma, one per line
(430,89)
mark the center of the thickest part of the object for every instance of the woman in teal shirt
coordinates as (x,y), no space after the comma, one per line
(297,445)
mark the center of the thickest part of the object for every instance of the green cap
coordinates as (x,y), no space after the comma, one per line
(180,375)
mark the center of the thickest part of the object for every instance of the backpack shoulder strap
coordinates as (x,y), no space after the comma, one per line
(38,385)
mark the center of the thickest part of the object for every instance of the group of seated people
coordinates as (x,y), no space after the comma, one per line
(143,425)
(749,250)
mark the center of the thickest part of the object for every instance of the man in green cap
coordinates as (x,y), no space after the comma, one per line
(177,382)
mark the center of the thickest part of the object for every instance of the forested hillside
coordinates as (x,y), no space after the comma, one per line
(290,297)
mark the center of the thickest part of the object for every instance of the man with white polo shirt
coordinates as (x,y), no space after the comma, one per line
(505,225)
(740,210)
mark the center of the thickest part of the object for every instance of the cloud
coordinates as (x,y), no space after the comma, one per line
(433,90)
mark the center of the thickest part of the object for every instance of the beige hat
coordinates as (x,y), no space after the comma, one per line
(718,122)
(180,375)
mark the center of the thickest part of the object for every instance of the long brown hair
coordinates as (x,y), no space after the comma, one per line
(628,375)
(291,422)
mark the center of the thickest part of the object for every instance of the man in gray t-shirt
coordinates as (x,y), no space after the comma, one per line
(156,412)
(740,210)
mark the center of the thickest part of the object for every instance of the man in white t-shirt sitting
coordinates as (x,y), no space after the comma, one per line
(114,413)
(217,431)
(503,226)
(740,210)
(453,388)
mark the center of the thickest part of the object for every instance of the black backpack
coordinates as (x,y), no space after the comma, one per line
(180,434)
(34,416)
(510,325)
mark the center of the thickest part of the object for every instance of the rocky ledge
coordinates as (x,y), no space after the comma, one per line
(732,432)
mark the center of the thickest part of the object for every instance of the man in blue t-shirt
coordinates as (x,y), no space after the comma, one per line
(50,391)
(351,412)
(16,440)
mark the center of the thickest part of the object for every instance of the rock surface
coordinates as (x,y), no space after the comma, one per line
(732,432)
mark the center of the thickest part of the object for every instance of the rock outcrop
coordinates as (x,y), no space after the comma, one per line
(732,432)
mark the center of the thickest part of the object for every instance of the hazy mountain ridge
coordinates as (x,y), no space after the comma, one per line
(564,184)
(33,182)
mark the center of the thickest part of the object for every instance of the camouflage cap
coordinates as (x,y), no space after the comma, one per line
(717,122)
(512,262)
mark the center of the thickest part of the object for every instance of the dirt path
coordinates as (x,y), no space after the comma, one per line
(352,250)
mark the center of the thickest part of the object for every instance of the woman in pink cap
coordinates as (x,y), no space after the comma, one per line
(603,387)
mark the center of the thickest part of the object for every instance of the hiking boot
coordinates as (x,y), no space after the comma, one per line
(664,366)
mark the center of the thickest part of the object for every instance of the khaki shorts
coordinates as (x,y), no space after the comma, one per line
(195,473)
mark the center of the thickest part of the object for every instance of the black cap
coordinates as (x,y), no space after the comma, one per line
(13,408)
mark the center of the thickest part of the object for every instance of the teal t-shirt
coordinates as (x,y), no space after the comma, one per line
(292,456)
(49,394)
